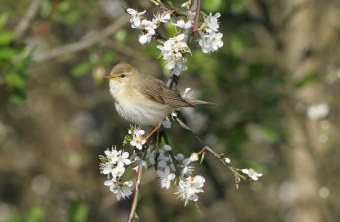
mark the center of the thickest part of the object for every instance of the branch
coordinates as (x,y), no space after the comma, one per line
(83,44)
(27,19)
(136,194)
(225,160)
(198,6)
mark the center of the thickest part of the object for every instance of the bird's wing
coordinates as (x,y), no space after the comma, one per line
(157,91)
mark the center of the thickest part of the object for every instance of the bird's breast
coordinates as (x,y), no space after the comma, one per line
(137,108)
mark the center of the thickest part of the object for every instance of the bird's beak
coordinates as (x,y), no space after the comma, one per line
(111,76)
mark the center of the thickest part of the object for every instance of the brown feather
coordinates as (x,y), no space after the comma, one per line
(157,91)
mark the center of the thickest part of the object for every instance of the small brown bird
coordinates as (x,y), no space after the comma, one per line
(143,99)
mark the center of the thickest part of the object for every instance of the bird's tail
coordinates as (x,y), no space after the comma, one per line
(200,102)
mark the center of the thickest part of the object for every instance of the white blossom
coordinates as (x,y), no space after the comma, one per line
(106,168)
(166,177)
(182,24)
(150,155)
(187,94)
(184,164)
(189,187)
(122,190)
(186,4)
(167,147)
(112,155)
(227,160)
(166,123)
(172,51)
(148,26)
(140,161)
(145,38)
(193,157)
(212,22)
(135,17)
(137,138)
(252,174)
(318,111)
(117,171)
(161,17)
(179,66)
(210,42)
(123,159)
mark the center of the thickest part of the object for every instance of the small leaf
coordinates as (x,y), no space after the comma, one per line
(109,57)
(17,96)
(5,37)
(15,80)
(212,5)
(270,134)
(202,157)
(81,69)
(306,80)
(120,35)
(7,53)
(35,214)
(102,159)
(78,212)
(3,19)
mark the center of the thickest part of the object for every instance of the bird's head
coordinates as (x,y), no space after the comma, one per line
(121,72)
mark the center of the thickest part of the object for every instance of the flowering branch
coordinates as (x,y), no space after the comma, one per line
(225,160)
(154,150)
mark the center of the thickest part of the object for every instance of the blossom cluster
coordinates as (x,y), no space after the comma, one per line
(113,165)
(169,167)
(174,48)
(148,27)
(189,186)
(173,52)
(211,39)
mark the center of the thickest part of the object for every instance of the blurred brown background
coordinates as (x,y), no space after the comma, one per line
(276,81)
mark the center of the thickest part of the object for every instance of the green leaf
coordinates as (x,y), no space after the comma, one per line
(78,212)
(73,16)
(46,9)
(17,96)
(306,80)
(109,57)
(270,135)
(35,214)
(3,19)
(120,35)
(5,37)
(212,5)
(8,53)
(15,80)
(81,69)
(102,159)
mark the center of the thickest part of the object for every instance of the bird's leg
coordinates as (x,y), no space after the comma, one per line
(152,132)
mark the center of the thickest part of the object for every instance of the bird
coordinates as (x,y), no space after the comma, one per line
(143,99)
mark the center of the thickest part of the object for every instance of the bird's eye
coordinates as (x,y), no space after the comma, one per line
(122,75)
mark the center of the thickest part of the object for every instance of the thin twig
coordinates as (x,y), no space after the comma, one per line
(27,19)
(83,44)
(136,194)
(221,157)
(198,7)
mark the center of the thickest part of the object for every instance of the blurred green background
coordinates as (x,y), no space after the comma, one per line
(278,66)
